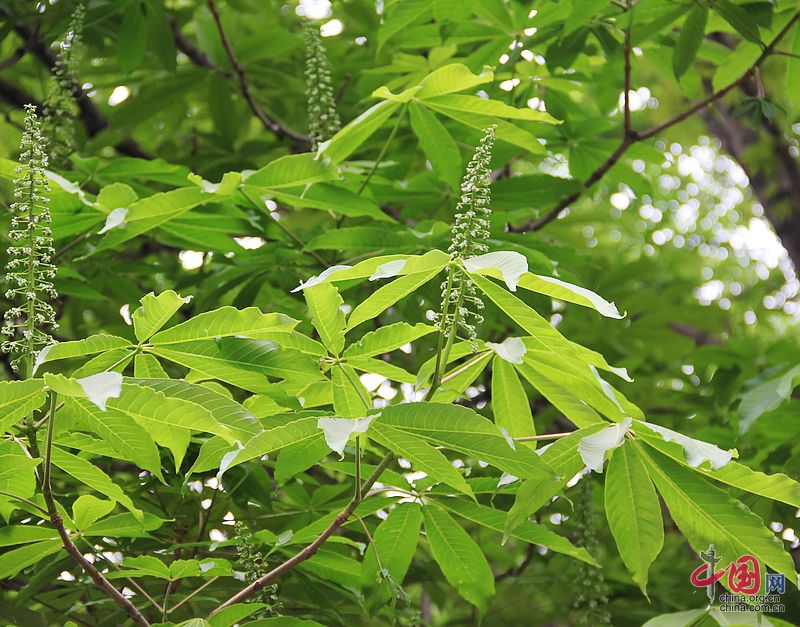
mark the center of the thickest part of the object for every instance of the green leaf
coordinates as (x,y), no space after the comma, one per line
(402,15)
(480,106)
(131,39)
(386,296)
(241,422)
(455,382)
(634,513)
(16,475)
(583,11)
(461,429)
(393,545)
(128,439)
(324,308)
(291,171)
(160,414)
(19,399)
(224,322)
(793,71)
(707,515)
(88,509)
(593,448)
(452,78)
(91,345)
(461,560)
(422,455)
(347,140)
(388,338)
(243,362)
(155,312)
(92,476)
(11,535)
(350,398)
(293,431)
(16,560)
(532,533)
(690,39)
(297,458)
(510,405)
(737,16)
(233,614)
(330,197)
(145,366)
(766,395)
(97,388)
(438,145)
(561,290)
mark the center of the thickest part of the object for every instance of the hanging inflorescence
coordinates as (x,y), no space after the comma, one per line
(30,272)
(461,304)
(323,120)
(60,108)
(254,564)
(591,600)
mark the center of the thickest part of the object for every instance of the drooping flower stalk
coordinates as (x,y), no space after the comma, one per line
(254,564)
(323,120)
(461,305)
(591,600)
(60,108)
(30,272)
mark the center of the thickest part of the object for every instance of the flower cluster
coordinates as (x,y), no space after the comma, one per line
(591,600)
(323,120)
(461,305)
(60,109)
(254,564)
(30,271)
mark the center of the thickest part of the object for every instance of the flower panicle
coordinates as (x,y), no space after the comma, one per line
(60,108)
(323,119)
(30,270)
(461,304)
(254,563)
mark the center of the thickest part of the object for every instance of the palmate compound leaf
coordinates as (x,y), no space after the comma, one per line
(387,339)
(633,512)
(459,557)
(510,405)
(707,515)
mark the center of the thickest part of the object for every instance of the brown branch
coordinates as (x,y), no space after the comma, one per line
(312,548)
(271,125)
(700,337)
(633,137)
(516,571)
(55,518)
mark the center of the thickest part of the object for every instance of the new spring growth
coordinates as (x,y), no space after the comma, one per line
(461,305)
(254,564)
(30,272)
(60,108)
(323,120)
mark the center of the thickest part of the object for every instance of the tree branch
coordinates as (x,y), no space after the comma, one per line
(312,548)
(55,518)
(271,125)
(93,119)
(634,137)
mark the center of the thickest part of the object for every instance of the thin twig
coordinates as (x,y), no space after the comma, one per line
(55,518)
(271,125)
(629,140)
(192,594)
(312,548)
(24,500)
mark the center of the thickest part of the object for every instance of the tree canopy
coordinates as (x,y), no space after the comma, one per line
(416,312)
